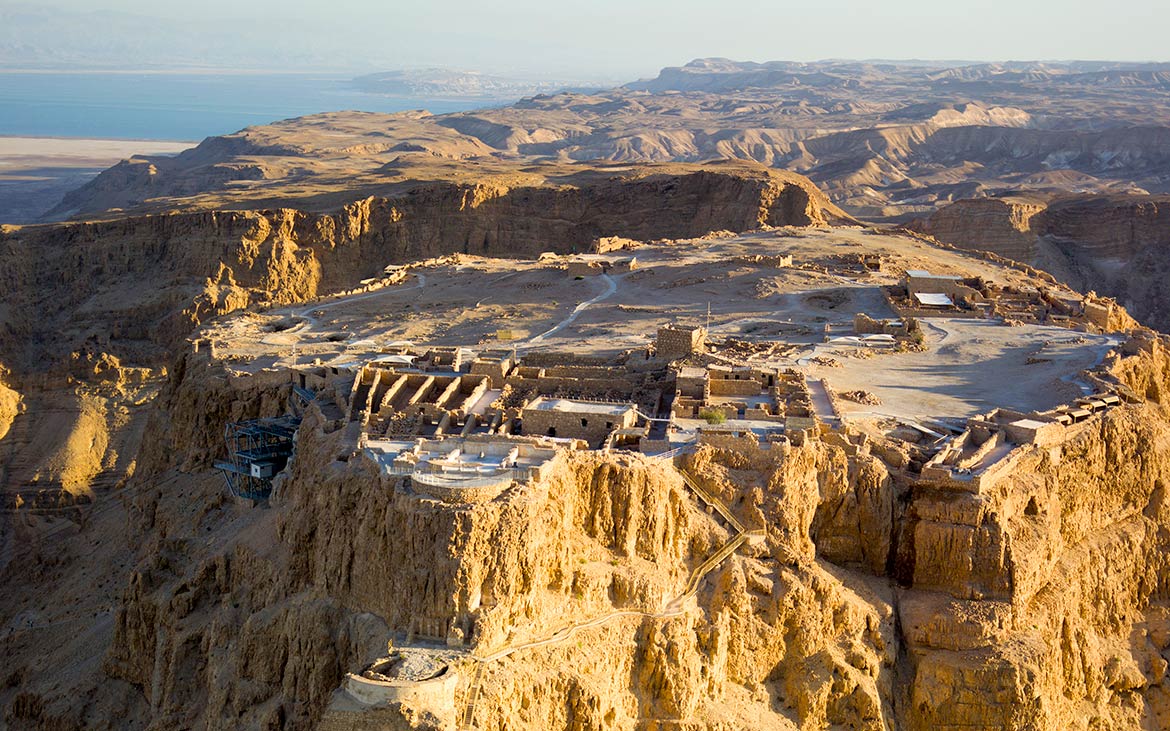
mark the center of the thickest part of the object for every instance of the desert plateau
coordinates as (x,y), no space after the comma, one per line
(789,395)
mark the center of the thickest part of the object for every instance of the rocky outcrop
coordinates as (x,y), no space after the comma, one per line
(875,599)
(241,628)
(1029,605)
(1115,245)
(1003,226)
(84,301)
(175,270)
(10,405)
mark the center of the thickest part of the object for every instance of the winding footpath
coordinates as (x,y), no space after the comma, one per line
(674,608)
(611,286)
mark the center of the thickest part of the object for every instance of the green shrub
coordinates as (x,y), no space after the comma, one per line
(712,416)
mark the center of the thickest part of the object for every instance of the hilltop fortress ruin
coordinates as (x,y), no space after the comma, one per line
(631,493)
(792,477)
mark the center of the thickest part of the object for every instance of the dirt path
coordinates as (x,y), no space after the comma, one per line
(306,312)
(611,286)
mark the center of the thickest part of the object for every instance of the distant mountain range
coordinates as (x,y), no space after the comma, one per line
(440,82)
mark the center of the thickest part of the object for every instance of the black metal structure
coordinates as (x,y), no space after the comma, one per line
(257,450)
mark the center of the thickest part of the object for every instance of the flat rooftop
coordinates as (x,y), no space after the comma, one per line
(933,300)
(456,455)
(579,407)
(923,274)
(1030,424)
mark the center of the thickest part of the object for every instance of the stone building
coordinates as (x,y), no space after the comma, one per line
(592,421)
(679,341)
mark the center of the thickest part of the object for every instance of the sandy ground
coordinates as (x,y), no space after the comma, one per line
(36,172)
(971,366)
(51,149)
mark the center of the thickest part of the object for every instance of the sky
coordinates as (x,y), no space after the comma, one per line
(604,39)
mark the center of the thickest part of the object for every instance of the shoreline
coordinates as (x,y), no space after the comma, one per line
(86,138)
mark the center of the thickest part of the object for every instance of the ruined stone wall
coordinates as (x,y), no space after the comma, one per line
(1111,244)
(679,342)
(732,387)
(592,427)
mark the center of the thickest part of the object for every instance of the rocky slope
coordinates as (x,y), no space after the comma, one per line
(1116,245)
(885,141)
(250,618)
(875,601)
(94,312)
(94,285)
(874,598)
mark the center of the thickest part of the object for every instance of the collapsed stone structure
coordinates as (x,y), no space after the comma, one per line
(924,294)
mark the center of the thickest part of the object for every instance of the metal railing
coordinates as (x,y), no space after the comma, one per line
(715,503)
(676,452)
(467,721)
(520,474)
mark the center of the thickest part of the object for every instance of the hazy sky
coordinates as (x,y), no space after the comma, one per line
(616,38)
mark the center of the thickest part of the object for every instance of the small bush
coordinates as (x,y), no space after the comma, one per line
(712,416)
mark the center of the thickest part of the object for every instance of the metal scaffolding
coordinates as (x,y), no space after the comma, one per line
(257,450)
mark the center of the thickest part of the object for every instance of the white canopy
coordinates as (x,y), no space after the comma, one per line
(933,300)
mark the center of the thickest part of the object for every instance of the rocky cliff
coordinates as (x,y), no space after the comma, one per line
(261,626)
(133,287)
(875,599)
(99,301)
(1000,225)
(1115,245)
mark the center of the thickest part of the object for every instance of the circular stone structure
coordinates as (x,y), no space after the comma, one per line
(453,487)
(401,679)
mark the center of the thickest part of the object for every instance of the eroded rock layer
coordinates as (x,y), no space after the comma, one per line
(134,286)
(1115,245)
(876,599)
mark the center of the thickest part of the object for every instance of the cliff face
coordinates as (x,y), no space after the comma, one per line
(1122,247)
(1000,225)
(1041,603)
(495,572)
(872,600)
(1115,245)
(10,407)
(128,291)
(135,286)
(260,622)
(296,596)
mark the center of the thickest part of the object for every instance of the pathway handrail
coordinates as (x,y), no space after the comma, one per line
(711,500)
(673,608)
(676,452)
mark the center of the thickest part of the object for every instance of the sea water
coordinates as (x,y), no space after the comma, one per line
(182,106)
